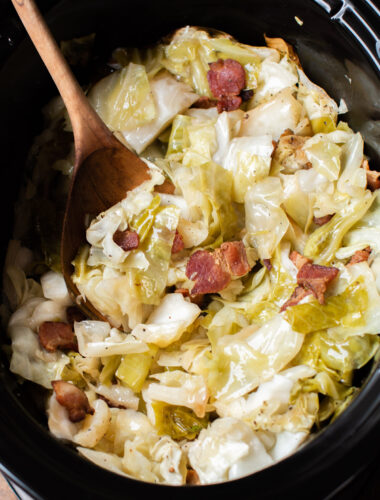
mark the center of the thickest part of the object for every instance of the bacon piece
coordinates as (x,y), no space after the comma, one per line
(178,243)
(360,256)
(55,335)
(316,278)
(298,259)
(74,314)
(267,263)
(73,399)
(229,103)
(299,293)
(235,257)
(192,477)
(212,271)
(320,221)
(127,240)
(226,78)
(311,278)
(373,177)
(205,103)
(208,272)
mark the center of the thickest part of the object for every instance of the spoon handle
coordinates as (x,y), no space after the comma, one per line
(90,133)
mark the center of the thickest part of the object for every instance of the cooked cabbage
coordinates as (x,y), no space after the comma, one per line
(202,387)
(266,221)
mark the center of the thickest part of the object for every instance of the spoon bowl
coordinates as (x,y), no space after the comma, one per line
(100,182)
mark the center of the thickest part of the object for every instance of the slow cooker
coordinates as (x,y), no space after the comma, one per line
(339,48)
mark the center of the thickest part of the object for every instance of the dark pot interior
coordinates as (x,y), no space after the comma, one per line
(338,51)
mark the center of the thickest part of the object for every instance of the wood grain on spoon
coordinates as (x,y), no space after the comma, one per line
(104,169)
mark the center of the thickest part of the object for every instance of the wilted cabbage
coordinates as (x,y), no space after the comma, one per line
(188,386)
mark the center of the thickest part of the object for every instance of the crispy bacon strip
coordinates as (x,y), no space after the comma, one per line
(178,243)
(373,177)
(73,399)
(192,477)
(74,314)
(360,256)
(316,278)
(320,221)
(299,293)
(212,271)
(298,259)
(55,335)
(127,240)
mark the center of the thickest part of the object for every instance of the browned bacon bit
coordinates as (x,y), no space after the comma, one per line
(185,291)
(74,314)
(373,177)
(192,477)
(178,243)
(226,77)
(320,221)
(360,256)
(55,335)
(311,278)
(127,240)
(228,103)
(205,103)
(212,271)
(208,272)
(234,257)
(298,259)
(316,278)
(73,399)
(267,263)
(299,293)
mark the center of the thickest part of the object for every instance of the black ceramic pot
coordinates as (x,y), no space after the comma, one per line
(339,50)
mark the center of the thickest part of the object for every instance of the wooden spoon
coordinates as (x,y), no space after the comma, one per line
(104,169)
